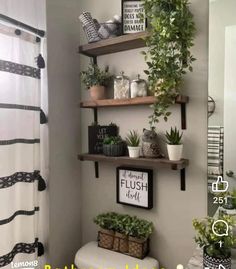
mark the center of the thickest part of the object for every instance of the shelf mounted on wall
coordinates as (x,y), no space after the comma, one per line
(114,45)
(141,162)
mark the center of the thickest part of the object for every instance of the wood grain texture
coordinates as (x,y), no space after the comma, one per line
(113,45)
(181,99)
(125,160)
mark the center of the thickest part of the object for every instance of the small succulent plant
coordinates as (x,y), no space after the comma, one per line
(174,137)
(133,139)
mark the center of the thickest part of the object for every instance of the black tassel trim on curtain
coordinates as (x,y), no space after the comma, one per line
(43,117)
(18,248)
(40,249)
(6,182)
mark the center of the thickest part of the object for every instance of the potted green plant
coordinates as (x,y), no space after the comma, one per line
(174,144)
(216,250)
(139,231)
(133,142)
(121,238)
(171,34)
(106,234)
(113,146)
(96,80)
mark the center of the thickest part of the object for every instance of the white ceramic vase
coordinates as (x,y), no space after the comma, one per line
(175,152)
(134,152)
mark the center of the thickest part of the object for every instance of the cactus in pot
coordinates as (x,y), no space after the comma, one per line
(174,144)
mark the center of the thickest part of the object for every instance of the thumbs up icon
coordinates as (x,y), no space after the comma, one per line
(220,185)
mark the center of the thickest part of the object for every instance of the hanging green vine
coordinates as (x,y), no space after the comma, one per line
(171,34)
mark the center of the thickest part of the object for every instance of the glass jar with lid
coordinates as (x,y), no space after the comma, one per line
(138,87)
(121,87)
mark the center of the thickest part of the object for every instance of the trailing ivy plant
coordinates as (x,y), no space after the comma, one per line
(171,34)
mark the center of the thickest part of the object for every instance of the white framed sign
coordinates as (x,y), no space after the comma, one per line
(135,187)
(133,17)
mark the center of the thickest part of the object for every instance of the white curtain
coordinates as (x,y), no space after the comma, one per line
(20,163)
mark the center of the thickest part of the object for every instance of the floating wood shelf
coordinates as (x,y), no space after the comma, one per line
(113,45)
(125,160)
(174,165)
(181,99)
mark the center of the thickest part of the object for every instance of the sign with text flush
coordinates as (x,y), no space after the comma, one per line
(135,187)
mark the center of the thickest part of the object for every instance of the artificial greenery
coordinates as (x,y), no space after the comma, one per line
(94,76)
(171,34)
(133,139)
(125,224)
(174,137)
(206,238)
(120,223)
(139,228)
(112,140)
(106,220)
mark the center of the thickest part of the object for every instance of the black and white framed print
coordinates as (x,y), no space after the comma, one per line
(135,187)
(133,17)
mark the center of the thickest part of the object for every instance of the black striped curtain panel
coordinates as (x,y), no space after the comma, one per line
(20,177)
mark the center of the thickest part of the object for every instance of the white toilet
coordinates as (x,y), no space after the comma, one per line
(91,256)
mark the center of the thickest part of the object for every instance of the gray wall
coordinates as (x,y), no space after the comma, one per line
(173,211)
(64,186)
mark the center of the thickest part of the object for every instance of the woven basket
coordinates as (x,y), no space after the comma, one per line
(138,248)
(106,239)
(121,243)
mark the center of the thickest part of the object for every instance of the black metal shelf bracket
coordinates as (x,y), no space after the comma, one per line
(183,116)
(182,180)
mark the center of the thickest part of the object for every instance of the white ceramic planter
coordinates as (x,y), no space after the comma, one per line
(134,152)
(175,152)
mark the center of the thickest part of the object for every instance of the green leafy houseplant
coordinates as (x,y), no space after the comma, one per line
(174,137)
(94,76)
(106,220)
(113,140)
(113,146)
(171,34)
(96,80)
(207,239)
(174,145)
(133,139)
(139,228)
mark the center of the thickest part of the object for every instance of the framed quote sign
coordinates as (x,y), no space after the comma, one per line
(135,187)
(133,17)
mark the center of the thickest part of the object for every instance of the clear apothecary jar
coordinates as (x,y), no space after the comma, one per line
(121,87)
(138,87)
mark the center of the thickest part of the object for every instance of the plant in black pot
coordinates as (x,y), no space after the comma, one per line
(216,249)
(106,222)
(113,146)
(139,231)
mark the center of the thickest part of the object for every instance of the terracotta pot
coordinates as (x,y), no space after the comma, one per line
(121,243)
(97,92)
(138,248)
(214,263)
(106,238)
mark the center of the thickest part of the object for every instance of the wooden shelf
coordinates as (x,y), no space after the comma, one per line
(113,45)
(181,99)
(125,160)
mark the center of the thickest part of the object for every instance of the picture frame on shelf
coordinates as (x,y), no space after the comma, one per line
(134,187)
(132,13)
